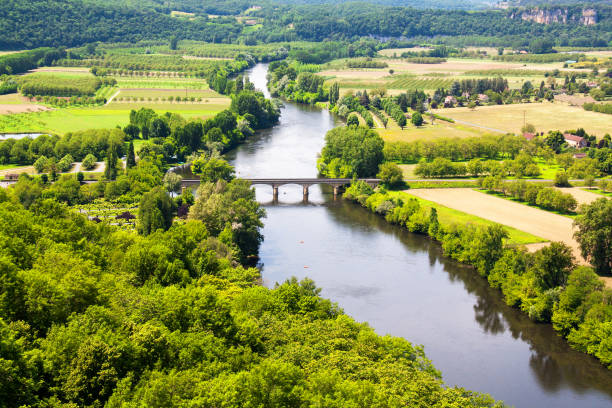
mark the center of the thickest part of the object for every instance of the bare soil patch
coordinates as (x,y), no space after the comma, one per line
(522,217)
(574,100)
(7,109)
(581,196)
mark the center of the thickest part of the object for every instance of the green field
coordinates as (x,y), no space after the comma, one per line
(448,216)
(61,121)
(420,83)
(166,93)
(161,83)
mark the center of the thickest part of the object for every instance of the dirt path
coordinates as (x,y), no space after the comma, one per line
(535,221)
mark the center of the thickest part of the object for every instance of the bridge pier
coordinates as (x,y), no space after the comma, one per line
(336,191)
(274,193)
(305,188)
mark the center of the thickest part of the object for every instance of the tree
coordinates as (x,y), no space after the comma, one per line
(172,182)
(357,150)
(561,179)
(528,128)
(112,162)
(41,164)
(594,234)
(589,181)
(212,168)
(89,162)
(173,42)
(80,177)
(401,122)
(555,140)
(552,265)
(159,129)
(132,131)
(416,119)
(130,160)
(352,120)
(155,211)
(390,174)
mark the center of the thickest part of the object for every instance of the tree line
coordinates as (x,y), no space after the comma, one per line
(547,285)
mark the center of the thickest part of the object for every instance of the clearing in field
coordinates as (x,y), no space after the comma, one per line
(544,116)
(538,222)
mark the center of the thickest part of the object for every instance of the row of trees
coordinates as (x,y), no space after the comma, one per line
(535,194)
(27,150)
(55,85)
(546,285)
(17,63)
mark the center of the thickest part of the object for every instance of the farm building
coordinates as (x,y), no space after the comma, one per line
(449,101)
(482,98)
(575,141)
(529,136)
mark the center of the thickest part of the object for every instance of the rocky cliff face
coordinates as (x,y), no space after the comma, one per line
(560,15)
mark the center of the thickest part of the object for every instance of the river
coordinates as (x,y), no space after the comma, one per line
(400,283)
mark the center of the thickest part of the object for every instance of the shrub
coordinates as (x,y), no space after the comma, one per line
(390,174)
(562,179)
(89,162)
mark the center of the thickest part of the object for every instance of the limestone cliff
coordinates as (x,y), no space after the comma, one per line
(587,16)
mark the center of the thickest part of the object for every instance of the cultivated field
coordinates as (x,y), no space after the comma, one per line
(407,75)
(538,222)
(544,116)
(156,93)
(428,131)
(582,196)
(61,121)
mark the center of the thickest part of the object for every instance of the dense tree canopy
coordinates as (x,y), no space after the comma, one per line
(351,151)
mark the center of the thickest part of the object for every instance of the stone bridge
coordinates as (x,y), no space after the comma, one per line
(275,183)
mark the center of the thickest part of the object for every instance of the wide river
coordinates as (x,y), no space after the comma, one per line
(400,283)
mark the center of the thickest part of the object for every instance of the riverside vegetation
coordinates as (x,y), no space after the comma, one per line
(547,285)
(178,304)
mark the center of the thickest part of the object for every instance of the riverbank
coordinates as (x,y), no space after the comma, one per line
(510,269)
(399,282)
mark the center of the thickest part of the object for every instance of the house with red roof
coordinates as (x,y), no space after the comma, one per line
(575,141)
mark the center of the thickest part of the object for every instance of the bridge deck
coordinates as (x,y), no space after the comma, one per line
(300,181)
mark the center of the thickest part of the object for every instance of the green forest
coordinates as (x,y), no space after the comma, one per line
(77,22)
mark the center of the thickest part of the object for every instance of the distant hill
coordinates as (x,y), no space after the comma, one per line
(434,4)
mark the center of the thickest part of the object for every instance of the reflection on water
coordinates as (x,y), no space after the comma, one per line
(401,284)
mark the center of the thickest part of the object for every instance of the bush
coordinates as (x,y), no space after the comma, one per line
(562,179)
(41,164)
(89,162)
(390,174)
(65,164)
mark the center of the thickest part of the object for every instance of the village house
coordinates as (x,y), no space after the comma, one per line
(529,136)
(482,98)
(449,101)
(575,141)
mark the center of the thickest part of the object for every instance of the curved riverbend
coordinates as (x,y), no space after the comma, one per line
(401,284)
